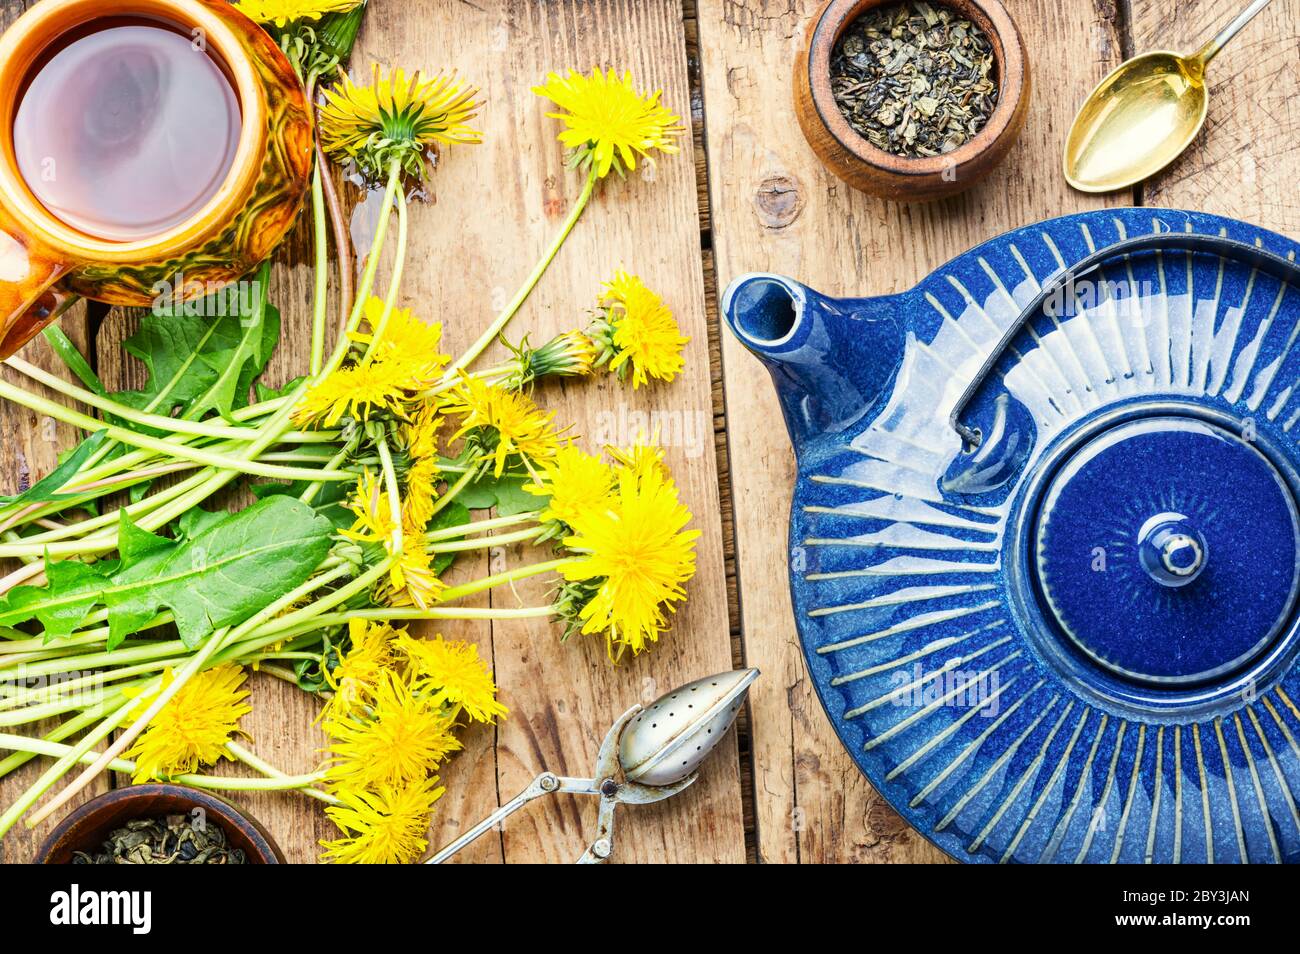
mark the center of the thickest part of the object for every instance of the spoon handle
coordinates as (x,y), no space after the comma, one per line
(1211,49)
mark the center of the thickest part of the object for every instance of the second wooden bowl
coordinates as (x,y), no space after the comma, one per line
(871,169)
(86,828)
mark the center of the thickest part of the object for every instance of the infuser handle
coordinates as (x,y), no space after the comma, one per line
(548,783)
(1280,268)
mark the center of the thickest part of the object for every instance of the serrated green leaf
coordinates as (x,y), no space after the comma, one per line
(196,520)
(513,499)
(505,493)
(78,586)
(265,393)
(135,543)
(238,369)
(203,356)
(455,514)
(228,571)
(46,488)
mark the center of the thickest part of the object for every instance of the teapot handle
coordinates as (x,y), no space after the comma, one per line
(29,296)
(1280,268)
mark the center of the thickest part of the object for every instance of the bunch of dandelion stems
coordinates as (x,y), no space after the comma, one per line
(259,440)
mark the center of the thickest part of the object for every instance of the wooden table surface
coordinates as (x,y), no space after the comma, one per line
(746,194)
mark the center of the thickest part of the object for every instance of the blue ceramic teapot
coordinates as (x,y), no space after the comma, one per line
(1047,537)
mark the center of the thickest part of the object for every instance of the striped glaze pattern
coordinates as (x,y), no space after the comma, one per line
(902,584)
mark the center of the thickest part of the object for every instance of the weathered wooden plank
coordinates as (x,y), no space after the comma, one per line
(493,211)
(1244,163)
(32,444)
(774,208)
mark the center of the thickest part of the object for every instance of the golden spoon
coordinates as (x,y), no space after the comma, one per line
(1143,115)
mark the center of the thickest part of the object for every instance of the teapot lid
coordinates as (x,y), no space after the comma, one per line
(1161,528)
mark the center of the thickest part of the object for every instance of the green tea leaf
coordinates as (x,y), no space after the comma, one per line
(45,488)
(231,568)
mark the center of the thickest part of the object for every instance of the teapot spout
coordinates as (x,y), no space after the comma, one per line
(831,360)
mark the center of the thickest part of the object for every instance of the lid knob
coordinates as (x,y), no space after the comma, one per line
(1172,551)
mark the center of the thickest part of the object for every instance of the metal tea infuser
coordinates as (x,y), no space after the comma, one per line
(648,755)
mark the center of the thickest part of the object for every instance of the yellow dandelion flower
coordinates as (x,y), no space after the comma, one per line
(356,677)
(607,122)
(374,517)
(413,581)
(357,392)
(194,727)
(409,344)
(421,432)
(640,556)
(406,738)
(639,331)
(281,13)
(396,118)
(421,492)
(512,420)
(576,483)
(570,354)
(642,458)
(383,827)
(453,674)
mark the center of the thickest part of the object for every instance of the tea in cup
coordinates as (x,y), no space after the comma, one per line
(141,141)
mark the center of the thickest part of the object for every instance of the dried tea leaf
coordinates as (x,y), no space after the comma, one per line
(914,78)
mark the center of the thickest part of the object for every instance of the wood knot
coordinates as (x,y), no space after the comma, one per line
(778,201)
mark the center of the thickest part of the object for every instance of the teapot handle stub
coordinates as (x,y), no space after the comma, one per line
(29,296)
(1280,268)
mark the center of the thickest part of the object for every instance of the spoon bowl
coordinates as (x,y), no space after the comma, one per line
(1143,115)
(1139,120)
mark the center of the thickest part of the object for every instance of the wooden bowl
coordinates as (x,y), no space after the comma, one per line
(873,170)
(86,828)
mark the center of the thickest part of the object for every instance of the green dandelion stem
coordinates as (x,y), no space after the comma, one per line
(322,269)
(503,319)
(372,266)
(218,640)
(67,760)
(510,576)
(242,464)
(501,540)
(270,783)
(394,282)
(481,526)
(449,495)
(390,485)
(63,730)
